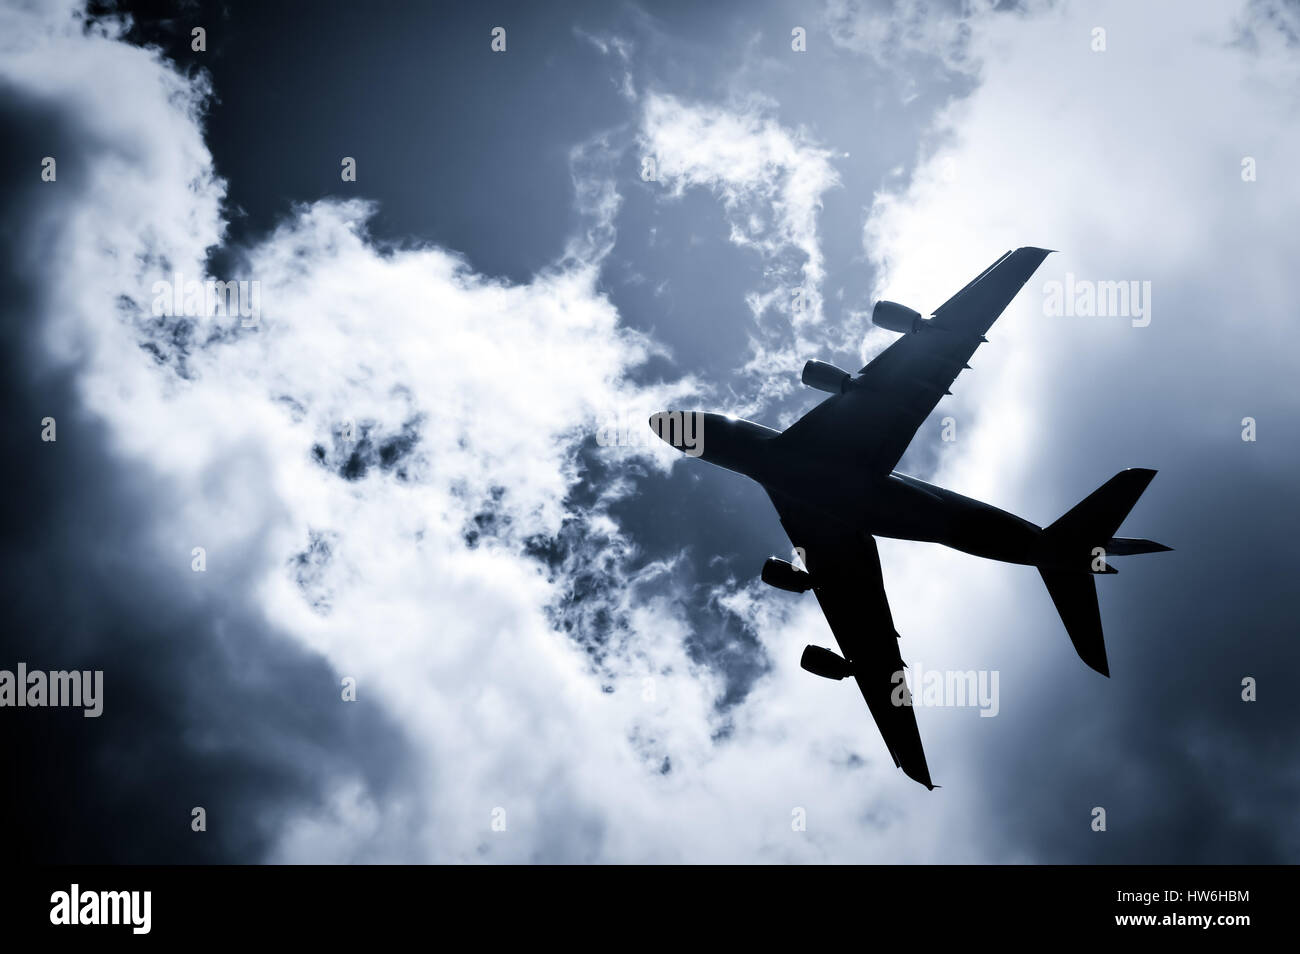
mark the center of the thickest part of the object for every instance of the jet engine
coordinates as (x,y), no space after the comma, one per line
(895,317)
(822,662)
(786,576)
(826,377)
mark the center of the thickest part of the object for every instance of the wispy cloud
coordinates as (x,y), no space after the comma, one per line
(771,181)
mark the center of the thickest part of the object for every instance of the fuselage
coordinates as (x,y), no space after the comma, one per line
(893,505)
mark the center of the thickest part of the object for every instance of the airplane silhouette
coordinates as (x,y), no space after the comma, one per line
(830,476)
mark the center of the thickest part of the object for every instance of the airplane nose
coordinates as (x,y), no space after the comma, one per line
(672,427)
(683,430)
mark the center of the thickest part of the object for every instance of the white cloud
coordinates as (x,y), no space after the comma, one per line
(499,384)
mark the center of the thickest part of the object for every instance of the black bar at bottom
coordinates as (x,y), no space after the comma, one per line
(216,904)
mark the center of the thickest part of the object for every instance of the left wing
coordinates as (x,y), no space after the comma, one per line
(871,425)
(845,569)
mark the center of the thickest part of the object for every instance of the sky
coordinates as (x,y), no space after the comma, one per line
(452,602)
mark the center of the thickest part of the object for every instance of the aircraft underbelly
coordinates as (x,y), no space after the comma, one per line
(907,509)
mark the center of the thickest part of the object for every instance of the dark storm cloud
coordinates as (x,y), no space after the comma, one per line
(204,705)
(1186,770)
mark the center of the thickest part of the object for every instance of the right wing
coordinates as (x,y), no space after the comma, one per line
(845,568)
(870,426)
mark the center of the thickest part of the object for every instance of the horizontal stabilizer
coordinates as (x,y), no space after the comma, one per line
(1131,546)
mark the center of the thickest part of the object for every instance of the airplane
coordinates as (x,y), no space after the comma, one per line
(831,477)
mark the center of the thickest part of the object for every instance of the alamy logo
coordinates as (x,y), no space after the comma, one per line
(1088,299)
(682,429)
(208,299)
(38,689)
(947,688)
(103,907)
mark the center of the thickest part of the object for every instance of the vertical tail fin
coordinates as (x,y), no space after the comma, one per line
(1069,573)
(1075,594)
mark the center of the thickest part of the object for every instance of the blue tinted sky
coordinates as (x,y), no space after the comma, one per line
(401,474)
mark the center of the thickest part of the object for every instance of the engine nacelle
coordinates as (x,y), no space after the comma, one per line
(895,317)
(822,662)
(786,576)
(826,377)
